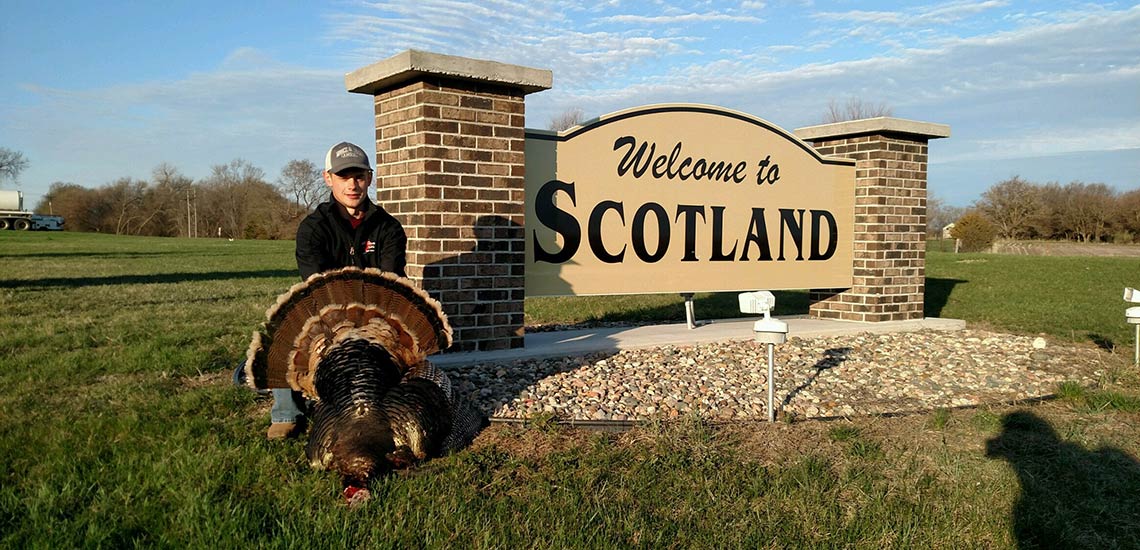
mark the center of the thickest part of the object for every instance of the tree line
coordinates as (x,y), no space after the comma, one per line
(234,201)
(1077,211)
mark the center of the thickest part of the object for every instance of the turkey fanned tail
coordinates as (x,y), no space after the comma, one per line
(356,342)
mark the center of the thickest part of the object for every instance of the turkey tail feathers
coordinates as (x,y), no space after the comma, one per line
(347,303)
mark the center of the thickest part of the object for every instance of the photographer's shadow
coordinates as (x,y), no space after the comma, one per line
(1070,497)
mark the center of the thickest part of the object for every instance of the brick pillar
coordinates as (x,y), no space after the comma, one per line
(449,166)
(890,217)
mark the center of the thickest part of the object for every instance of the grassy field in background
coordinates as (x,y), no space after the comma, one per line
(119,428)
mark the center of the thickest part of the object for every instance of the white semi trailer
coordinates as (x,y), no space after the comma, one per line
(13,215)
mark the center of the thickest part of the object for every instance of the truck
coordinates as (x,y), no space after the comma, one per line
(13,215)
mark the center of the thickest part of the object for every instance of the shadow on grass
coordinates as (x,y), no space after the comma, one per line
(1070,497)
(76,282)
(937,294)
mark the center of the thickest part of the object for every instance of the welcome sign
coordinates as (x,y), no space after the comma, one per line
(682,198)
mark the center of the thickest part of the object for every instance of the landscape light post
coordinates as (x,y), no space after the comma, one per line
(766,331)
(1132,315)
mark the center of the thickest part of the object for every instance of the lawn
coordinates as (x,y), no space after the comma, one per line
(119,428)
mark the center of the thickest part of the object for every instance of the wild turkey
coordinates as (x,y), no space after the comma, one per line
(356,341)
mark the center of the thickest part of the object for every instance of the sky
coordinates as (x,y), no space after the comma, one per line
(96,91)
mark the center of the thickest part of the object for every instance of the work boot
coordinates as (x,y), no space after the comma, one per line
(282,430)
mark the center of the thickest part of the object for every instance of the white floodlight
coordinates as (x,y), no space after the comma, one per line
(760,301)
(1131,295)
(766,331)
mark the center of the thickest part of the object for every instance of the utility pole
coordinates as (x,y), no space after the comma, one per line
(195,213)
(187,212)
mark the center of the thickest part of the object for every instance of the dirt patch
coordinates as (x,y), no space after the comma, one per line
(1066,248)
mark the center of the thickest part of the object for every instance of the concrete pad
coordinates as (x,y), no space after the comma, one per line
(578,342)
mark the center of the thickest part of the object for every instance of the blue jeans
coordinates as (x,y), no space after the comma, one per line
(286,402)
(286,407)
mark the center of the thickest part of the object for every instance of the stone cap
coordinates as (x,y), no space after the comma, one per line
(411,64)
(877,125)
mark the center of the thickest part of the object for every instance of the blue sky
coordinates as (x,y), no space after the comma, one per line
(93,92)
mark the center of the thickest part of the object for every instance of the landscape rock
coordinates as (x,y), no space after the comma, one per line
(862,374)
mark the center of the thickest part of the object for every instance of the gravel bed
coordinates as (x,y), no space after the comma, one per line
(860,374)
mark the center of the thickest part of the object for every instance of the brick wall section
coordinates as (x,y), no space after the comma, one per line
(450,168)
(890,230)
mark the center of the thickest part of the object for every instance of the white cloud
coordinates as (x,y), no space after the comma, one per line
(859,16)
(577,42)
(680,18)
(1053,80)
(938,14)
(1050,83)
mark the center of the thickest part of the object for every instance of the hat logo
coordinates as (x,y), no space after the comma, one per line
(347,152)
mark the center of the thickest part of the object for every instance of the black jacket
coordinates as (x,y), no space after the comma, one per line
(325,240)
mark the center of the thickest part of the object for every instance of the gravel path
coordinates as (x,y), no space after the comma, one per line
(815,377)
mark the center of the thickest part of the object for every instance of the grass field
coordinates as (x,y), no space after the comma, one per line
(119,428)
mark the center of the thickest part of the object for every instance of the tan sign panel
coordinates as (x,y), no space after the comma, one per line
(679,198)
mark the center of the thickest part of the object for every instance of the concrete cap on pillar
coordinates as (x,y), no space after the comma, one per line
(877,125)
(412,64)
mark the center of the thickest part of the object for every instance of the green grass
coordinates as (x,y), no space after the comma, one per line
(119,428)
(1071,298)
(939,418)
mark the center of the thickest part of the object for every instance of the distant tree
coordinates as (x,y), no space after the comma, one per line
(1088,211)
(939,215)
(1012,205)
(12,163)
(301,181)
(237,202)
(78,205)
(567,119)
(169,203)
(125,197)
(1128,213)
(230,194)
(1047,223)
(855,109)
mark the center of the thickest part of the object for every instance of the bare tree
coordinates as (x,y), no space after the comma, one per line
(567,119)
(855,109)
(1047,223)
(12,163)
(1089,210)
(168,203)
(78,205)
(125,197)
(1012,205)
(230,196)
(1128,212)
(302,182)
(939,215)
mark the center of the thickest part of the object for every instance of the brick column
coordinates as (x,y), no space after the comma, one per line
(890,217)
(449,166)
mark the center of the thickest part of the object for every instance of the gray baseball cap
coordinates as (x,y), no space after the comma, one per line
(345,155)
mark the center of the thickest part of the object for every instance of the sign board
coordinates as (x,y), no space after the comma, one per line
(683,198)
